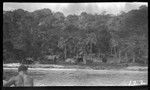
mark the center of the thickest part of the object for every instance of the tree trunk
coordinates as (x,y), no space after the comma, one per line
(65,52)
(111,50)
(99,52)
(86,50)
(115,51)
(54,59)
(74,51)
(119,56)
(133,57)
(145,61)
(84,61)
(91,48)
(126,57)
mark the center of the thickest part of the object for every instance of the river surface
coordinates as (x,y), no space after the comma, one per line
(84,77)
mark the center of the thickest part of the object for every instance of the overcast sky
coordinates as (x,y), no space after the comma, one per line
(76,8)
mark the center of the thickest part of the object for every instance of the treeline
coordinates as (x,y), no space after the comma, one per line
(43,32)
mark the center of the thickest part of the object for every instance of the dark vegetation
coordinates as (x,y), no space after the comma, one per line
(84,38)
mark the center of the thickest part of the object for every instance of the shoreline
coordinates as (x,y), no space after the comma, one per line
(58,69)
(75,67)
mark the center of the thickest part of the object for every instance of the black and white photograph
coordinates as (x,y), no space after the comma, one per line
(75,44)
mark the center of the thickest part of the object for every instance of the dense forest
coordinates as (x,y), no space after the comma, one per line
(43,32)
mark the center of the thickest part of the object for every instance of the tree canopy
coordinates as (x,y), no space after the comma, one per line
(43,32)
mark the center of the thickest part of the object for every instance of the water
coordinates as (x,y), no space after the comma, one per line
(84,77)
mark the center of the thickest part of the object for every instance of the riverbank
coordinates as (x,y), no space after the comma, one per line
(89,67)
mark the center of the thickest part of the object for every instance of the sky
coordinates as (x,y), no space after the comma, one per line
(77,8)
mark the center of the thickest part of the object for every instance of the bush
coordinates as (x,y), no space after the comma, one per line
(28,61)
(11,60)
(104,60)
(70,61)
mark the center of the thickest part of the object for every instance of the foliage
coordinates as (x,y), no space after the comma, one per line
(43,32)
